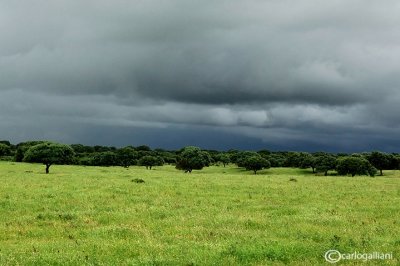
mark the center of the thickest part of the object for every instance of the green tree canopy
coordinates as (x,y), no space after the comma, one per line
(107,158)
(23,147)
(324,163)
(49,153)
(127,156)
(224,159)
(143,148)
(242,156)
(308,161)
(150,161)
(380,160)
(79,148)
(255,163)
(6,142)
(295,159)
(192,158)
(4,149)
(276,159)
(354,166)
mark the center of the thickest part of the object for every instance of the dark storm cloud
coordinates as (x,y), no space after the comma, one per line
(275,71)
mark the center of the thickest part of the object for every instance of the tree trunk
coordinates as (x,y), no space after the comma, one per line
(381,171)
(47,168)
(150,167)
(313,170)
(255,172)
(326,173)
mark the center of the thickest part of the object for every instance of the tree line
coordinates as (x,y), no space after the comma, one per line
(193,158)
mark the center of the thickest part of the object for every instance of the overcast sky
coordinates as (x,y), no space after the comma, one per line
(275,74)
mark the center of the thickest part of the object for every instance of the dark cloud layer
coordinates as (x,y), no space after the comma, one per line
(274,74)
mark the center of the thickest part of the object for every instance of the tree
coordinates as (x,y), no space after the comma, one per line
(295,159)
(23,147)
(49,153)
(395,162)
(255,163)
(126,156)
(309,161)
(354,166)
(143,148)
(224,159)
(242,156)
(4,149)
(324,163)
(233,155)
(168,157)
(79,148)
(192,158)
(107,158)
(214,154)
(19,154)
(150,161)
(264,153)
(379,160)
(6,142)
(276,159)
(99,148)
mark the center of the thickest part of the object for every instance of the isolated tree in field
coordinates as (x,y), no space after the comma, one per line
(4,149)
(192,158)
(49,153)
(126,156)
(325,163)
(354,166)
(379,160)
(150,161)
(255,163)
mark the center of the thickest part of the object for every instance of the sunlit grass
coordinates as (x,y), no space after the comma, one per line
(221,216)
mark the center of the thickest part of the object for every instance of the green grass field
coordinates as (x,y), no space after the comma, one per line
(218,216)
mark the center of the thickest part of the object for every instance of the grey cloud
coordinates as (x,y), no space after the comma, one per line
(299,71)
(208,52)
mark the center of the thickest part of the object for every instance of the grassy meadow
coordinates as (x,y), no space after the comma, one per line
(218,216)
